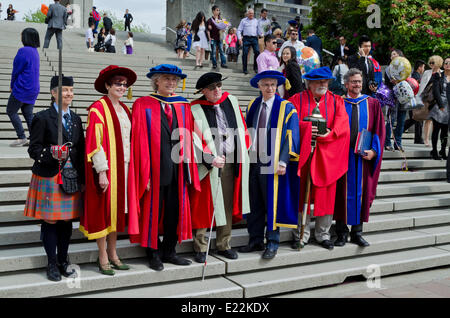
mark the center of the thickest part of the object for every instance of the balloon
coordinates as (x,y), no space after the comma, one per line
(403,92)
(308,59)
(414,84)
(400,68)
(385,96)
(44,9)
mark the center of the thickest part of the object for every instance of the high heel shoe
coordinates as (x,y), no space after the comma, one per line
(105,269)
(117,264)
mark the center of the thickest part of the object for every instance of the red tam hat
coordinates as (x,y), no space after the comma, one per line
(111,71)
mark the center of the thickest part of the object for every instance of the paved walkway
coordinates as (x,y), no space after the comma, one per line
(422,284)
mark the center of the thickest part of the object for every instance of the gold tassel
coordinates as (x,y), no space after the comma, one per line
(184,84)
(130,93)
(287,85)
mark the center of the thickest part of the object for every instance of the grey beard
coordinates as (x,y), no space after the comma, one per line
(321,90)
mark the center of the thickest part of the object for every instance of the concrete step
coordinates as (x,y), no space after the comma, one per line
(9,178)
(288,279)
(413,164)
(410,188)
(35,283)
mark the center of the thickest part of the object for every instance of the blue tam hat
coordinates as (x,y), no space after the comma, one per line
(318,74)
(268,74)
(166,69)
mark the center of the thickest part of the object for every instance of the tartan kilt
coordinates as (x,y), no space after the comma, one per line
(47,201)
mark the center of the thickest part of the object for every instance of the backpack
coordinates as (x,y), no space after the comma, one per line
(336,86)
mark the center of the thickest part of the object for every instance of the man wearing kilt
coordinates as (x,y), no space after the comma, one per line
(46,199)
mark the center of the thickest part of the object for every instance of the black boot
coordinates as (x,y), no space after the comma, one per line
(434,155)
(64,231)
(443,148)
(49,238)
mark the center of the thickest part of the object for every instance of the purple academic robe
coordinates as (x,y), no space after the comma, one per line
(356,189)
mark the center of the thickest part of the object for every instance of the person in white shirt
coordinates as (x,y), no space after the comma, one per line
(110,41)
(293,41)
(129,43)
(90,37)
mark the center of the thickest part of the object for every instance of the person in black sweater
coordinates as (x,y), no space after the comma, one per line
(128,19)
(107,23)
(291,70)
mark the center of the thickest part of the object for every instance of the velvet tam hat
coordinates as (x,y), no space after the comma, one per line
(111,71)
(268,74)
(66,81)
(166,69)
(208,79)
(318,74)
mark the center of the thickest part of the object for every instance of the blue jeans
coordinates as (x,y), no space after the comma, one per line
(214,44)
(247,42)
(27,111)
(399,116)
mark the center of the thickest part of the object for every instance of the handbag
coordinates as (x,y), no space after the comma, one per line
(70,180)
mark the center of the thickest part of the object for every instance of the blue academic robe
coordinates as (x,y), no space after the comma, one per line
(357,188)
(282,191)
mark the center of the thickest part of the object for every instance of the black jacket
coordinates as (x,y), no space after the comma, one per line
(169,169)
(438,88)
(44,133)
(359,62)
(107,23)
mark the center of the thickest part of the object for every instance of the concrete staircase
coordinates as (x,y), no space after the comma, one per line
(409,228)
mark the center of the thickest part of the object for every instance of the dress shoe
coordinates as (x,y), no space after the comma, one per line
(200,257)
(327,244)
(105,269)
(341,240)
(155,263)
(295,245)
(117,264)
(359,241)
(228,254)
(269,254)
(64,270)
(251,248)
(53,273)
(223,66)
(176,260)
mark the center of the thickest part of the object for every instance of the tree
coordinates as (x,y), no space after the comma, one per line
(417,27)
(34,16)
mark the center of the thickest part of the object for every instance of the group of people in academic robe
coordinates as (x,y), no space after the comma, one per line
(174,169)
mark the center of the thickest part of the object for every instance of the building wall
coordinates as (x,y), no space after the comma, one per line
(84,6)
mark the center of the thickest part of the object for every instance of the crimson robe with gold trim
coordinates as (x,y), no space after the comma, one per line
(104,212)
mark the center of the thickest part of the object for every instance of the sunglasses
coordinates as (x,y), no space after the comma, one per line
(431,63)
(121,84)
(447,63)
(213,86)
(274,42)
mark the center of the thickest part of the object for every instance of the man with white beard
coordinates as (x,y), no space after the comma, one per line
(329,161)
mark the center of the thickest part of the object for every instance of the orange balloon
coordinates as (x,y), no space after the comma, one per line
(44,9)
(307,52)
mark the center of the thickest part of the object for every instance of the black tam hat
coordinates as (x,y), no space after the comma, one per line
(66,81)
(207,79)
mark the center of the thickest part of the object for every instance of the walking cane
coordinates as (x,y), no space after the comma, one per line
(210,229)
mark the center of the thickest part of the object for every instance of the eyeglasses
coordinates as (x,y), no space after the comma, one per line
(294,33)
(356,82)
(213,86)
(431,63)
(121,84)
(447,63)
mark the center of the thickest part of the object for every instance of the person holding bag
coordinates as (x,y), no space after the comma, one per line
(47,198)
(106,159)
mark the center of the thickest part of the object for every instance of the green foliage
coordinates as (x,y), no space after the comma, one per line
(240,4)
(34,16)
(417,27)
(119,23)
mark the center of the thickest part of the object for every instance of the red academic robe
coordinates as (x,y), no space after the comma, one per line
(329,162)
(202,205)
(104,212)
(143,205)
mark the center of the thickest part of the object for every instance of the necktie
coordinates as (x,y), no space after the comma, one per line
(168,112)
(68,125)
(225,146)
(354,126)
(261,129)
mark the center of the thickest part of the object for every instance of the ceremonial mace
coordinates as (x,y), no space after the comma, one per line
(318,121)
